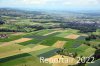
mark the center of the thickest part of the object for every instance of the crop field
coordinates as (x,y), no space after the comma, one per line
(59,44)
(81,38)
(41,33)
(25,49)
(10,50)
(51,40)
(73,44)
(49,53)
(30,43)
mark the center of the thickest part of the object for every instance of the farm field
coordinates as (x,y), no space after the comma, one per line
(25,49)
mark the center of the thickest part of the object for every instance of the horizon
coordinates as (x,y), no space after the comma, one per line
(61,5)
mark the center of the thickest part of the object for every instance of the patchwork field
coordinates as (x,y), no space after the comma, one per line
(25,49)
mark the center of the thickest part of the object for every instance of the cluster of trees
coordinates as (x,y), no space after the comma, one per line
(2,22)
(94,46)
(97,47)
(97,54)
(21,28)
(92,36)
(66,53)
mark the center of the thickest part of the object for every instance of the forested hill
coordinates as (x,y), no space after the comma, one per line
(17,12)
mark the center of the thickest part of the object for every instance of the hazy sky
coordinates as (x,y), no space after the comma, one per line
(53,4)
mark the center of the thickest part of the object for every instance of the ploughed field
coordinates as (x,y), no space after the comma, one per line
(25,49)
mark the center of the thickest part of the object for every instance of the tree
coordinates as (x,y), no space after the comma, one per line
(2,22)
(99,45)
(87,39)
(95,47)
(75,54)
(97,54)
(62,26)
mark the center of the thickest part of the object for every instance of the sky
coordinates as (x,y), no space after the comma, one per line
(52,4)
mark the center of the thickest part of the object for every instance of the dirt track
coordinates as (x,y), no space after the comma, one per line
(19,33)
(50,33)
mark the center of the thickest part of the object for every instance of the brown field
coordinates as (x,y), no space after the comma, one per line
(67,60)
(59,44)
(72,36)
(21,40)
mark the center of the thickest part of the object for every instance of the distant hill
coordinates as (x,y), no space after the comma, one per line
(17,12)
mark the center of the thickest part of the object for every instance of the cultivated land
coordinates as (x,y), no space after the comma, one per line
(59,44)
(24,49)
(25,36)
